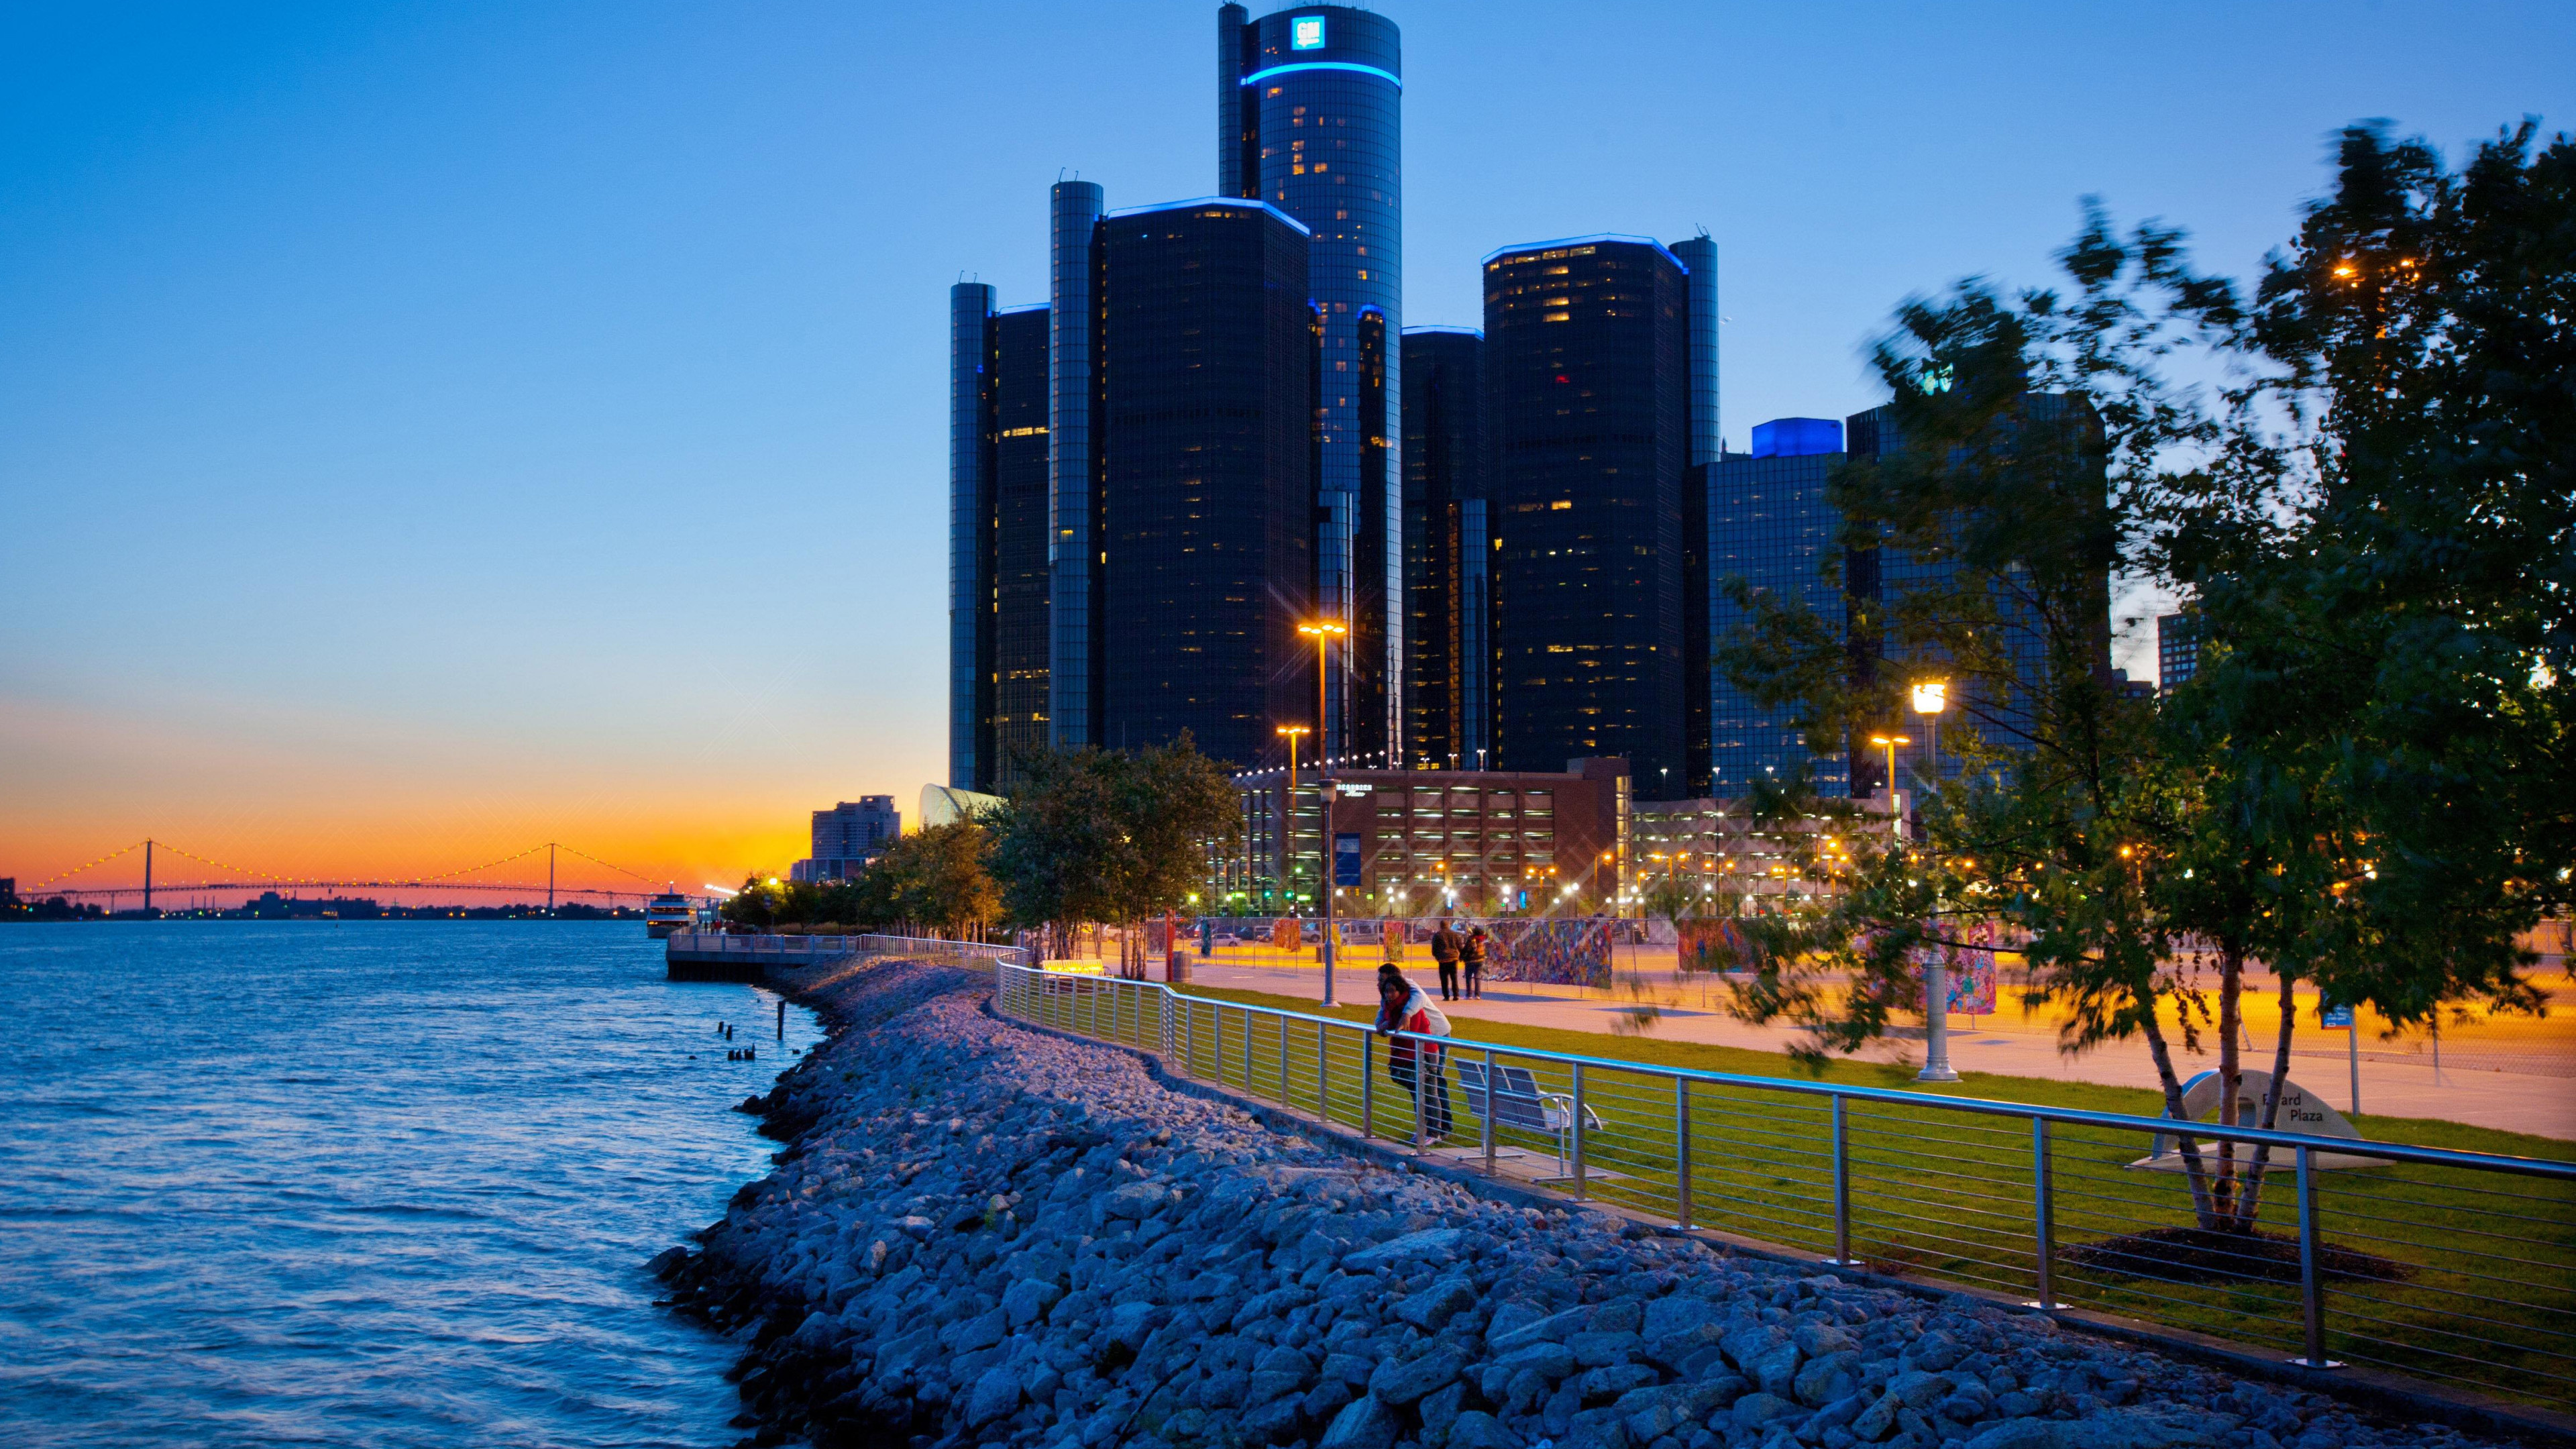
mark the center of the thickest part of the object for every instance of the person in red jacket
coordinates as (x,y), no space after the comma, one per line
(1403,1006)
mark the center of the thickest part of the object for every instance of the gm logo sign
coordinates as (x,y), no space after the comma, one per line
(1306,32)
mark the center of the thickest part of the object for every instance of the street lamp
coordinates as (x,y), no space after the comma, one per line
(1931,696)
(1324,632)
(1896,817)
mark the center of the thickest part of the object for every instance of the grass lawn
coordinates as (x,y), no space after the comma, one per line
(2475,1284)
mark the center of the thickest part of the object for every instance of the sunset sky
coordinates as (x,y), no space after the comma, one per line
(427,430)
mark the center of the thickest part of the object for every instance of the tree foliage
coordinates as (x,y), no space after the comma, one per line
(1108,836)
(2369,512)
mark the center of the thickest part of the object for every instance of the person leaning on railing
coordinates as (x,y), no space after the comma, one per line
(1403,1006)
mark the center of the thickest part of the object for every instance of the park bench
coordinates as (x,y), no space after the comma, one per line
(1514,1100)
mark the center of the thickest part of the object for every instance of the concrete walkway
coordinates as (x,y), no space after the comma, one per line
(2513,1102)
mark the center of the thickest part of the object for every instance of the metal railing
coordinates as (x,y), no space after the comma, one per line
(793,949)
(2441,1264)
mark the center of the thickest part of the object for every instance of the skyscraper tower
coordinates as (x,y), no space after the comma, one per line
(998,577)
(1074,209)
(1308,120)
(1587,385)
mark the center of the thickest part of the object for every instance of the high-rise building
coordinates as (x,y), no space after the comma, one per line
(1770,524)
(970,533)
(1448,652)
(998,570)
(1587,349)
(1205,453)
(1073,482)
(1698,256)
(1308,119)
(2006,716)
(2177,649)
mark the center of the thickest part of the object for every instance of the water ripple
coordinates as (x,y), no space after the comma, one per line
(374,1183)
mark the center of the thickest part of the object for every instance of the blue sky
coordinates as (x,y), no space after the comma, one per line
(424,427)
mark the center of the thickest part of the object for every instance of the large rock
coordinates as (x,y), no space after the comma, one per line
(1401,1383)
(1431,1245)
(1027,1301)
(1434,1306)
(1476,1429)
(1363,1423)
(995,1395)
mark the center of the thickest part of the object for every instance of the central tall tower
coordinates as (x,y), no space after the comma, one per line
(1308,120)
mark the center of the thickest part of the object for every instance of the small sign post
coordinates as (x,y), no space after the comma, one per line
(2339,1018)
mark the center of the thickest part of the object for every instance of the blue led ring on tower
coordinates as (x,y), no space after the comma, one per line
(1313,128)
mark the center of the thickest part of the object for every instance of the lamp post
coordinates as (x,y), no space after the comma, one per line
(1931,696)
(1895,817)
(1288,818)
(1324,632)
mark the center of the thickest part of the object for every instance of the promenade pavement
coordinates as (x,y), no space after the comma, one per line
(2514,1102)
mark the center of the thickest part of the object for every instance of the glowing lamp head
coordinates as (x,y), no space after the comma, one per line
(1931,696)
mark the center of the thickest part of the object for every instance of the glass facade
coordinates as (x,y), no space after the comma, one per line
(1447,717)
(2177,649)
(1206,360)
(1586,378)
(970,532)
(2003,712)
(1073,482)
(998,575)
(1313,129)
(1770,524)
(1021,574)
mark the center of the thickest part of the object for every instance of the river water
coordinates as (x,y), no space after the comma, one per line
(368,1183)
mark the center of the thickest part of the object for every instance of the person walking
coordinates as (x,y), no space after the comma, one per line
(1416,1066)
(1471,953)
(1444,952)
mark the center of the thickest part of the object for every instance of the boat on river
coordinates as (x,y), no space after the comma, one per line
(668,912)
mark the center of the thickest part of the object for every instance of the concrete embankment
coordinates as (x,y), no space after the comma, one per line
(981,1234)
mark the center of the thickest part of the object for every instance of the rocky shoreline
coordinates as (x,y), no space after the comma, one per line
(982,1234)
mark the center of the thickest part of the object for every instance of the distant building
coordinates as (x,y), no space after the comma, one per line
(2177,649)
(2008,716)
(1771,524)
(1448,618)
(1715,845)
(998,574)
(1587,348)
(848,837)
(1477,841)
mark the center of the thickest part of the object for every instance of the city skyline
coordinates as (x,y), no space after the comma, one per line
(425,432)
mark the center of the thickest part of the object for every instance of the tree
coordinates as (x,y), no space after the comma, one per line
(2364,784)
(935,879)
(1094,835)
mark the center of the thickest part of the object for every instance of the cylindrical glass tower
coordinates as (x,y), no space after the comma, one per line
(1315,132)
(1074,208)
(970,495)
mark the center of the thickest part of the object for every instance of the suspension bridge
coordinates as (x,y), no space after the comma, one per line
(226,879)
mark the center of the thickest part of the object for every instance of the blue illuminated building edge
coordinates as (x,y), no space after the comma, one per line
(1233,201)
(1258,76)
(1023,307)
(1576,241)
(1444,327)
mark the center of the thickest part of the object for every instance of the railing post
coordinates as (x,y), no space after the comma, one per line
(1247,1050)
(1283,1061)
(1842,1257)
(1323,1100)
(1681,1152)
(1189,1046)
(1486,1117)
(1578,1132)
(1216,1040)
(2312,1288)
(1368,1084)
(2043,1203)
(1418,1085)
